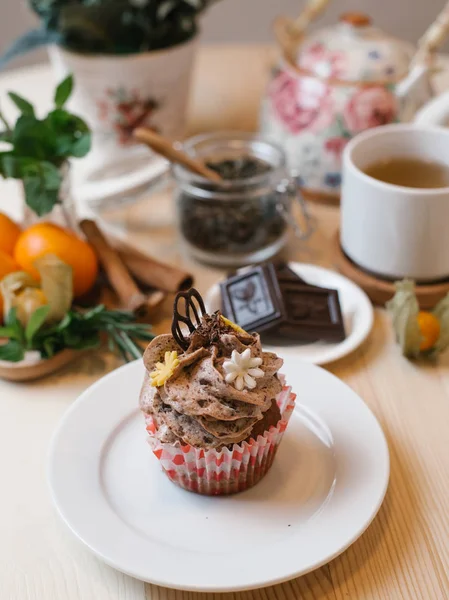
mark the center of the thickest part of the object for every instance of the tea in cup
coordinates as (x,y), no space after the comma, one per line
(395,202)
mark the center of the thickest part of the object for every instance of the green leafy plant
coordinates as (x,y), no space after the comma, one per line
(111,26)
(78,330)
(40,147)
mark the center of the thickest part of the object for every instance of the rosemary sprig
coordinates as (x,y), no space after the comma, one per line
(78,330)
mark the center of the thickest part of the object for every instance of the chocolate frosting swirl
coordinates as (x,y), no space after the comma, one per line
(196,405)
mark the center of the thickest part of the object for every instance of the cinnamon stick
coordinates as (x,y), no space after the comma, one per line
(165,148)
(153,273)
(130,296)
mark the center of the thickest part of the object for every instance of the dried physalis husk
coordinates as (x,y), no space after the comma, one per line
(21,291)
(418,333)
(56,284)
(27,302)
(25,294)
(441,311)
(404,309)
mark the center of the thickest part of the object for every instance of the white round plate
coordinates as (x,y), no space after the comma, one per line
(325,486)
(356,308)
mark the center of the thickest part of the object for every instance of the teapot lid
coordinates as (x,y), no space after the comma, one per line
(353,51)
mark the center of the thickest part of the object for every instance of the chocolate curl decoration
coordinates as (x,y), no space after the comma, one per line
(190,316)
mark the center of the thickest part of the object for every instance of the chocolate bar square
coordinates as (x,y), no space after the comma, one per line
(253,299)
(286,275)
(313,314)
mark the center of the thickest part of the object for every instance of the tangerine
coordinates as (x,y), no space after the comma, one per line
(7,265)
(47,238)
(9,234)
(429,327)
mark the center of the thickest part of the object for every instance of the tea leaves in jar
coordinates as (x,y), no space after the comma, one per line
(239,168)
(241,224)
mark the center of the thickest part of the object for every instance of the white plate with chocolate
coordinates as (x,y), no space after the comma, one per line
(300,310)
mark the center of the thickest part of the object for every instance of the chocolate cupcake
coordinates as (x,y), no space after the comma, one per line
(213,401)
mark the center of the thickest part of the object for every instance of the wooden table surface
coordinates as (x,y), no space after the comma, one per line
(404,554)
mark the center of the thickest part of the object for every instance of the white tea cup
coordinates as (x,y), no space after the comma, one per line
(390,230)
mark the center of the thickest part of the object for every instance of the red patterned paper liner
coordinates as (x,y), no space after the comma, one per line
(213,472)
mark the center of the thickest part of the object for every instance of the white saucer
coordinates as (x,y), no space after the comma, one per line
(355,305)
(326,485)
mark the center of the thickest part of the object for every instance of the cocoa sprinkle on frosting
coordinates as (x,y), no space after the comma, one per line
(196,405)
(209,332)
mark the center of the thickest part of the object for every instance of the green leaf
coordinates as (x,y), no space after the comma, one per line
(23,105)
(14,325)
(71,134)
(87,342)
(11,318)
(64,91)
(40,199)
(36,321)
(41,182)
(33,138)
(6,332)
(6,136)
(12,166)
(49,346)
(66,321)
(72,338)
(13,351)
(94,312)
(82,145)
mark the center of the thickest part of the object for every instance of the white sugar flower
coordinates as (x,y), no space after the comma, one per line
(242,370)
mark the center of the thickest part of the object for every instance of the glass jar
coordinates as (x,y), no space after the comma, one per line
(241,220)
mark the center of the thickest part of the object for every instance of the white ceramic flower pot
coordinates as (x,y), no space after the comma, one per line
(115,94)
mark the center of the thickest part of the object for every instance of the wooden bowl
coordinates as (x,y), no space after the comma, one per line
(23,371)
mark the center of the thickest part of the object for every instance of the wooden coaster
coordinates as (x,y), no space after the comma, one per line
(321,197)
(380,290)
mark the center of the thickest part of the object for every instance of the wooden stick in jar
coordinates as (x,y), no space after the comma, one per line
(166,149)
(130,296)
(154,273)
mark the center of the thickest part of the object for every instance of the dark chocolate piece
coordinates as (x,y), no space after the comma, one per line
(287,275)
(253,299)
(276,301)
(191,315)
(313,314)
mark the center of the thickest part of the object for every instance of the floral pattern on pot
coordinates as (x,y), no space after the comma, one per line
(336,145)
(370,107)
(324,62)
(125,110)
(313,121)
(301,103)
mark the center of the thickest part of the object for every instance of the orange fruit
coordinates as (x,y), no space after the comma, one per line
(9,234)
(429,327)
(46,238)
(7,265)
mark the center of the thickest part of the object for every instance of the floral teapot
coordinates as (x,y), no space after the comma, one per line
(344,79)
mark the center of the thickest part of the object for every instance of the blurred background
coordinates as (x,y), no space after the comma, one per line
(249,21)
